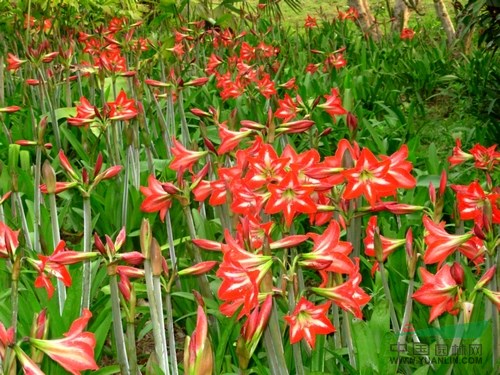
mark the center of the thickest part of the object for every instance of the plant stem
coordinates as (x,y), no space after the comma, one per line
(24,223)
(204,285)
(170,333)
(121,350)
(274,345)
(387,290)
(87,247)
(171,246)
(348,337)
(61,288)
(36,208)
(297,354)
(158,334)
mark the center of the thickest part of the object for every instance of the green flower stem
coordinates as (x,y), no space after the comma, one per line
(87,247)
(184,127)
(204,285)
(37,198)
(491,312)
(387,290)
(52,113)
(131,342)
(158,328)
(273,340)
(348,337)
(121,350)
(164,128)
(61,288)
(171,246)
(170,333)
(407,312)
(273,344)
(24,223)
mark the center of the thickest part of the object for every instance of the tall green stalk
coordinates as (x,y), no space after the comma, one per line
(87,247)
(121,349)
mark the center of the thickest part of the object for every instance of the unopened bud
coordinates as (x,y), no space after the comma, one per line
(155,253)
(49,176)
(457,272)
(145,238)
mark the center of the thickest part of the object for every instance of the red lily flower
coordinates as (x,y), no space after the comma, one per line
(75,352)
(290,197)
(309,320)
(389,245)
(439,291)
(329,253)
(485,158)
(407,34)
(265,168)
(158,196)
(310,22)
(472,201)
(459,156)
(14,62)
(369,177)
(184,158)
(266,86)
(198,356)
(230,139)
(333,104)
(287,108)
(122,108)
(8,241)
(441,244)
(348,296)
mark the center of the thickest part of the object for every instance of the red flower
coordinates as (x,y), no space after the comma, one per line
(348,296)
(439,291)
(14,62)
(309,320)
(290,197)
(122,108)
(407,34)
(389,245)
(287,108)
(459,156)
(75,352)
(158,196)
(266,86)
(441,244)
(472,201)
(310,22)
(333,104)
(8,241)
(485,158)
(329,253)
(184,158)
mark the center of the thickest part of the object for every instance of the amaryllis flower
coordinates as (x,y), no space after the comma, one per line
(485,157)
(370,178)
(122,108)
(8,241)
(441,244)
(329,253)
(459,156)
(310,22)
(309,320)
(472,201)
(14,62)
(348,296)
(266,86)
(440,291)
(158,196)
(388,245)
(230,138)
(183,158)
(333,105)
(198,356)
(407,34)
(75,352)
(252,331)
(290,197)
(287,108)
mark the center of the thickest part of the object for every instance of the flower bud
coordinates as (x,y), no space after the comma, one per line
(49,176)
(457,272)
